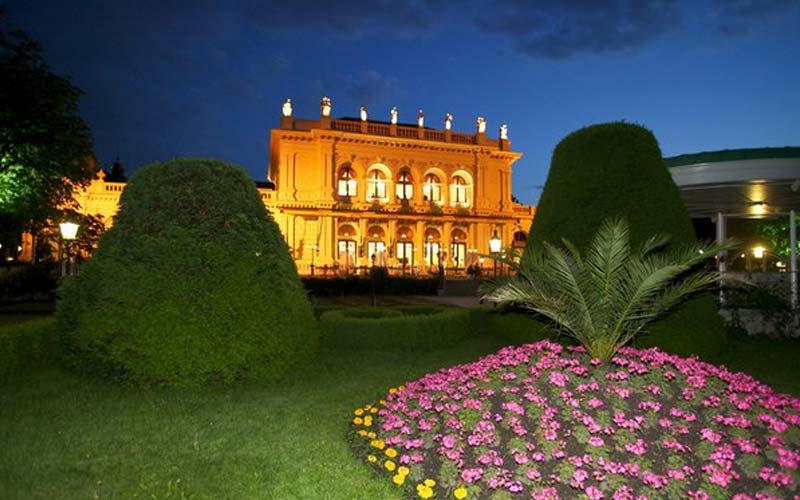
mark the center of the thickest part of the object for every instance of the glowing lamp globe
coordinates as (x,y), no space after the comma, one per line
(69,230)
(495,243)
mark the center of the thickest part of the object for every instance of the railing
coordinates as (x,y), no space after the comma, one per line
(434,135)
(378,129)
(114,187)
(346,126)
(407,132)
(463,138)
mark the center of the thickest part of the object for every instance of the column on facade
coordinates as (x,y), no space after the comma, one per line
(793,255)
(419,245)
(361,255)
(721,264)
(446,242)
(391,243)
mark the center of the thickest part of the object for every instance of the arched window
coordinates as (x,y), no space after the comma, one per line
(348,185)
(432,247)
(458,248)
(376,186)
(404,251)
(347,247)
(519,238)
(404,187)
(432,189)
(459,192)
(376,246)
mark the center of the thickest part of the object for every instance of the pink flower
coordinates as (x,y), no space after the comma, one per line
(594,493)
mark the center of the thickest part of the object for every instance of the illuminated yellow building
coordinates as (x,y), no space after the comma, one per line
(350,193)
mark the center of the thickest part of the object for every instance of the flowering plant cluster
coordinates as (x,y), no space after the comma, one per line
(546,422)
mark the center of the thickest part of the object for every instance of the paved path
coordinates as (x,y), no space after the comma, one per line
(396,300)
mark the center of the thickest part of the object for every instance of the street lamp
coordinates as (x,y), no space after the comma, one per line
(69,230)
(495,243)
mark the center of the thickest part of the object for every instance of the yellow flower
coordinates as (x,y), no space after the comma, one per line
(391,452)
(359,412)
(401,388)
(362,433)
(371,435)
(367,421)
(430,483)
(372,459)
(399,479)
(403,470)
(377,443)
(392,390)
(460,493)
(389,465)
(373,410)
(358,421)
(424,491)
(382,402)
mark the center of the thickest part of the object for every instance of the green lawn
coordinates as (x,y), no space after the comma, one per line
(66,436)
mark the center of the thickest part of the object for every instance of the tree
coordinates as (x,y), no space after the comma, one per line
(606,295)
(45,147)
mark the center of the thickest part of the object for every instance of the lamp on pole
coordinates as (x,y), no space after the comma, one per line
(495,243)
(69,230)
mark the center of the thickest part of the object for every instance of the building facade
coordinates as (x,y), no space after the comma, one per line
(352,193)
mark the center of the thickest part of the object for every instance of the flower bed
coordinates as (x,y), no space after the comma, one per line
(542,421)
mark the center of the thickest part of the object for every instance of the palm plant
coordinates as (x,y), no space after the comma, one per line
(607,296)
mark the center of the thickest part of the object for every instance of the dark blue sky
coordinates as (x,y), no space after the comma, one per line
(197,78)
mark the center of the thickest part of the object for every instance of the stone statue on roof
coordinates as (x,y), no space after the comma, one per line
(481,125)
(504,132)
(363,113)
(393,113)
(448,121)
(287,108)
(420,118)
(325,106)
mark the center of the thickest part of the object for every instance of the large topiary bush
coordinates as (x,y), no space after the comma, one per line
(193,283)
(616,170)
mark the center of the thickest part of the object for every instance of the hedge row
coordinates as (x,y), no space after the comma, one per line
(404,328)
(356,285)
(26,344)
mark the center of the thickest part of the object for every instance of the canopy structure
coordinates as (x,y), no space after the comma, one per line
(742,183)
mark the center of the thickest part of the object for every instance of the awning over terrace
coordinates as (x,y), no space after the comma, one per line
(744,183)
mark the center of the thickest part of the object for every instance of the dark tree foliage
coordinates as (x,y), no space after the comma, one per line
(616,170)
(193,283)
(776,232)
(45,147)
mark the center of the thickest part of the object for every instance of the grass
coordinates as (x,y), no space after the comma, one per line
(67,436)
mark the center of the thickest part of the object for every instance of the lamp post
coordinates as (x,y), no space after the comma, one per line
(69,230)
(495,243)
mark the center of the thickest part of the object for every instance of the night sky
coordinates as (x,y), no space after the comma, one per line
(163,80)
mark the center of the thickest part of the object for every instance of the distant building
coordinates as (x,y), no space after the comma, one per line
(351,193)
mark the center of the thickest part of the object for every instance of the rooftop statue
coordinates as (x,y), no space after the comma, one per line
(287,108)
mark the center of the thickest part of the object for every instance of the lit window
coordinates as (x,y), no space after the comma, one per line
(459,195)
(404,187)
(432,189)
(347,182)
(376,186)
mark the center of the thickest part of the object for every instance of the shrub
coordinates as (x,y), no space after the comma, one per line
(616,170)
(377,328)
(384,285)
(192,283)
(26,344)
(27,280)
(605,297)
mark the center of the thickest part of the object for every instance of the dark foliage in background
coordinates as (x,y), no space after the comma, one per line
(193,283)
(45,147)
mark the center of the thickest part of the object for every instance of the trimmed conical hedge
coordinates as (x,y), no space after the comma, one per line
(193,283)
(616,169)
